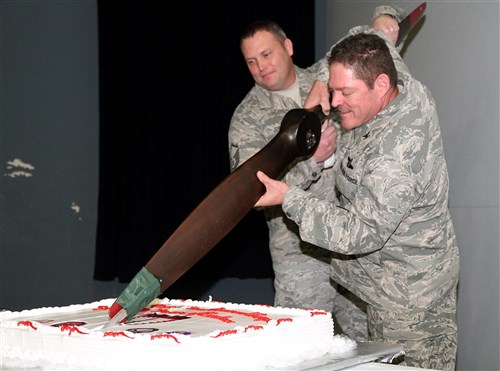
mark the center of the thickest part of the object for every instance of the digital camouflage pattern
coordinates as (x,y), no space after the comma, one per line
(393,224)
(301,270)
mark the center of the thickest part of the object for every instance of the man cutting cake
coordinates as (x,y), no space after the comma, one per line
(391,223)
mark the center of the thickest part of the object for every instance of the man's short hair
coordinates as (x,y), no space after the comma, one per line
(264,25)
(367,55)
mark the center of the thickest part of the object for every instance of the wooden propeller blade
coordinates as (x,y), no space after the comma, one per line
(234,197)
(407,24)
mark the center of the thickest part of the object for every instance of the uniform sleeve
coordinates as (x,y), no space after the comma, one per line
(382,200)
(320,69)
(304,173)
(392,10)
(395,12)
(244,137)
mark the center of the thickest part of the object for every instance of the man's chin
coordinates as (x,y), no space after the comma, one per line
(348,124)
(268,87)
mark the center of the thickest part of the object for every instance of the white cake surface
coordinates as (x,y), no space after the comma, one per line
(167,334)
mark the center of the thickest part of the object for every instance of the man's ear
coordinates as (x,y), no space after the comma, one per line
(382,84)
(289,46)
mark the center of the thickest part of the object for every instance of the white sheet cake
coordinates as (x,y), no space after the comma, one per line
(170,334)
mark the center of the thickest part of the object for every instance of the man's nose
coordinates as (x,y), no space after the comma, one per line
(336,98)
(261,64)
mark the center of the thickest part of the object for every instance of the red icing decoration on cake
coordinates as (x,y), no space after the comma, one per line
(284,320)
(224,333)
(168,336)
(213,313)
(101,307)
(27,324)
(254,327)
(71,329)
(116,334)
(318,313)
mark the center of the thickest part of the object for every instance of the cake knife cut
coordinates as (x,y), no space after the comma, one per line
(227,204)
(120,316)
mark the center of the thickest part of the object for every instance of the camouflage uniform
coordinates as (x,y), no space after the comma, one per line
(302,270)
(393,224)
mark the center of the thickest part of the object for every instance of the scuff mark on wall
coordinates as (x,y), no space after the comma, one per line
(76,209)
(17,168)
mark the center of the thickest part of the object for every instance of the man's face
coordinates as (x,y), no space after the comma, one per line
(355,101)
(269,61)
